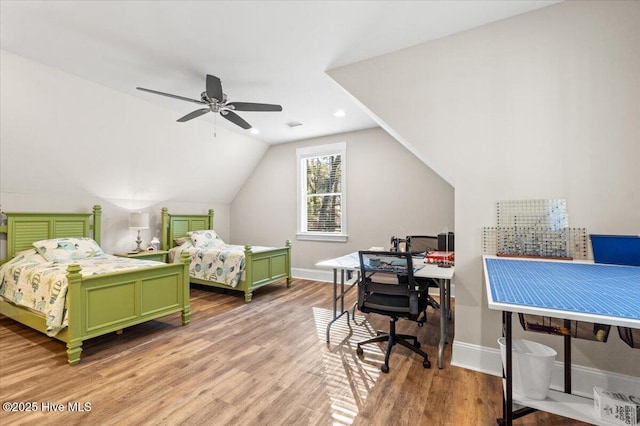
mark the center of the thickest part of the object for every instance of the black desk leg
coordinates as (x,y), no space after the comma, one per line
(508,415)
(508,401)
(342,294)
(567,358)
(337,315)
(335,302)
(445,314)
(335,293)
(507,376)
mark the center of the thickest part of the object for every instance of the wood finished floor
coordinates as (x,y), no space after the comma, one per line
(262,363)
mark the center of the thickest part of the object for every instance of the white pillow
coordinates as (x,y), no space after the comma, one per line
(205,239)
(180,241)
(61,250)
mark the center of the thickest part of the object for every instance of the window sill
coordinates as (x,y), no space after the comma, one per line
(338,238)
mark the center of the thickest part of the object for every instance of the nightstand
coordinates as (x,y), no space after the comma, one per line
(157,255)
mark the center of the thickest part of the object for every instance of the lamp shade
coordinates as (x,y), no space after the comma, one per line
(139,220)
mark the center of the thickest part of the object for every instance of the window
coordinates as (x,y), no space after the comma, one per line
(321,193)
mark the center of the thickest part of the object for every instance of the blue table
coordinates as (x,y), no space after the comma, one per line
(581,291)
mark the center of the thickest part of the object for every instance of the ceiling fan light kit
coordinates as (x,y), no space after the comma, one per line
(216,101)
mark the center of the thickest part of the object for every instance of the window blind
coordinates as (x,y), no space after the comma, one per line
(324,193)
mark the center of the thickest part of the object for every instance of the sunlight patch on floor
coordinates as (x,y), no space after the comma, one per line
(349,379)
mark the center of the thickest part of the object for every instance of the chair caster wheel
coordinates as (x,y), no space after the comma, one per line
(384,368)
(426,364)
(359,350)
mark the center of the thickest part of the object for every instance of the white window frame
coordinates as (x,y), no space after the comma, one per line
(302,154)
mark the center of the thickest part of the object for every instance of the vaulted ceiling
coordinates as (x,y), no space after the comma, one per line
(263,51)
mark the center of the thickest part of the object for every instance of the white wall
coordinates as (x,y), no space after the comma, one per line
(67,144)
(389,192)
(541,105)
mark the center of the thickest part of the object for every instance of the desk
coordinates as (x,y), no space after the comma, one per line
(560,289)
(351,262)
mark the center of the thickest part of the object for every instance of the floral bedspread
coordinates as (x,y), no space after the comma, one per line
(31,281)
(223,264)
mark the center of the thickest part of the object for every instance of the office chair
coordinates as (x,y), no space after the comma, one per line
(387,287)
(419,245)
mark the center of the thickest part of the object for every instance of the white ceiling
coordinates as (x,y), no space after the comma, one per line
(263,51)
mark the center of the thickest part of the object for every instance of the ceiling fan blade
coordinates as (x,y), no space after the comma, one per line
(182,98)
(235,119)
(250,106)
(214,88)
(194,114)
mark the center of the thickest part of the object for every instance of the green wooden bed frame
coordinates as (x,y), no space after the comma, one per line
(97,304)
(261,268)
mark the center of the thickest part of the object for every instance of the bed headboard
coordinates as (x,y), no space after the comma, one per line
(23,229)
(176,226)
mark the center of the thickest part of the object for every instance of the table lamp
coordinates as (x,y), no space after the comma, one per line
(138,220)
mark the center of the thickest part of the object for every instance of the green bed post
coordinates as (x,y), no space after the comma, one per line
(97,227)
(165,229)
(185,258)
(287,244)
(210,214)
(74,303)
(248,273)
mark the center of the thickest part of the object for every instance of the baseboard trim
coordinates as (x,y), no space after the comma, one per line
(312,274)
(583,379)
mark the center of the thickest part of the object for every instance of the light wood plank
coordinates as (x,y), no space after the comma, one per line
(262,363)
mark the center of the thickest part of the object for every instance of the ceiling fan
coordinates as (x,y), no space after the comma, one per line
(217,101)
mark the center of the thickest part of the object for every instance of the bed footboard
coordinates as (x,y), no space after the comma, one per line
(265,267)
(100,304)
(261,268)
